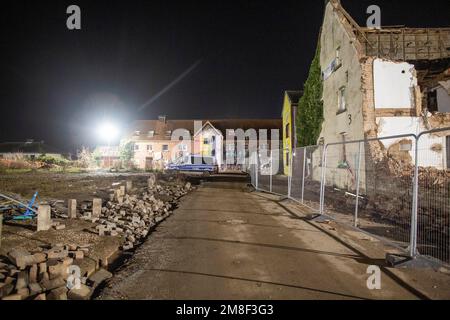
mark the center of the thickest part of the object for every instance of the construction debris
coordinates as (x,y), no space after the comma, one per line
(54,272)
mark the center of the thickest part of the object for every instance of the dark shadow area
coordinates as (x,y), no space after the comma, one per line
(258,281)
(381,263)
(359,258)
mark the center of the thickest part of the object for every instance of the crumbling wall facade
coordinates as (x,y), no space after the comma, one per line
(342,98)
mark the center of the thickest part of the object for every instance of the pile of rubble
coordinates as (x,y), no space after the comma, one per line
(47,274)
(133,215)
(53,273)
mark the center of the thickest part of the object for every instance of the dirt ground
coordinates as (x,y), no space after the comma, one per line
(80,186)
(104,251)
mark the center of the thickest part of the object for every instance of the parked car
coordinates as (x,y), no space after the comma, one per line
(194,163)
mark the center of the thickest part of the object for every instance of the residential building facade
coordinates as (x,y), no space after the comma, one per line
(290,104)
(159,142)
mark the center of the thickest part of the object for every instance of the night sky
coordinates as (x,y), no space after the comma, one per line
(57,84)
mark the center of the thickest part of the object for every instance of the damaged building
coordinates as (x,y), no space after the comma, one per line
(378,83)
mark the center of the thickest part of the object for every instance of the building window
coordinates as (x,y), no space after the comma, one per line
(432,101)
(341,100)
(165,147)
(151,133)
(182,147)
(205,141)
(286,130)
(136,147)
(149,147)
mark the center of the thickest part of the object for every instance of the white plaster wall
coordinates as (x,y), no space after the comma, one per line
(393,84)
(443,99)
(389,126)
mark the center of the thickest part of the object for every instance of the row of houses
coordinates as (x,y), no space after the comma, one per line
(158,142)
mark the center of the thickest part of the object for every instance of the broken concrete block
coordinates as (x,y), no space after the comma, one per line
(151,180)
(13,297)
(24,293)
(98,277)
(34,288)
(57,253)
(96,207)
(78,255)
(41,296)
(39,257)
(129,185)
(58,294)
(53,284)
(42,267)
(21,258)
(83,292)
(56,271)
(72,208)
(67,261)
(43,277)
(33,273)
(22,280)
(44,220)
(6,289)
(60,227)
(87,215)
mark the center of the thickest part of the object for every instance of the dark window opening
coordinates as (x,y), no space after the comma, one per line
(432,101)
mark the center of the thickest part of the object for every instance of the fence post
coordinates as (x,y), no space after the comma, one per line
(413,240)
(1,225)
(290,174)
(256,169)
(303,173)
(271,170)
(357,183)
(322,179)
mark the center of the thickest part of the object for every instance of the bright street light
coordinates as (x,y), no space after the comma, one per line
(107,131)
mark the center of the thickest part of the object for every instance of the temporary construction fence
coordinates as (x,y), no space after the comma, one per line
(395,188)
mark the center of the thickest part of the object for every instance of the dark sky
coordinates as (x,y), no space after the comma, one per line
(57,85)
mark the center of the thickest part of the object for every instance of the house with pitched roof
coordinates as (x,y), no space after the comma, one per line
(161,141)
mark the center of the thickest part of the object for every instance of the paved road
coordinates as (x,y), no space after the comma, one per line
(227,243)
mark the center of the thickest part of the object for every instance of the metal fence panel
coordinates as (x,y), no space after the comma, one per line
(396,188)
(280,172)
(305,181)
(365,187)
(433,202)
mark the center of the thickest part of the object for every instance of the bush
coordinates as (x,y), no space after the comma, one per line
(86,158)
(53,160)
